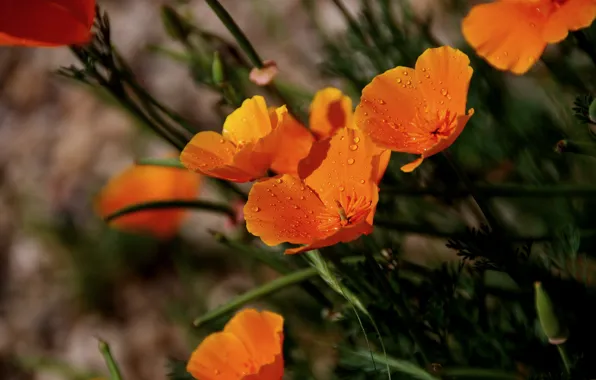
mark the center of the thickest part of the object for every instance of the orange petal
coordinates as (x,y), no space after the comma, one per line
(220,356)
(249,123)
(329,111)
(260,332)
(344,235)
(571,15)
(211,154)
(340,166)
(513,45)
(380,163)
(446,142)
(46,23)
(283,209)
(408,168)
(293,142)
(387,107)
(443,76)
(146,183)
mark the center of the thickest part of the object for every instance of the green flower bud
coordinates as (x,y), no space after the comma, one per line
(217,71)
(547,317)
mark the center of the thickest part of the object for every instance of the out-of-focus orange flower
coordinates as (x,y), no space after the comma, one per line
(249,348)
(46,22)
(333,200)
(148,183)
(418,111)
(517,44)
(248,146)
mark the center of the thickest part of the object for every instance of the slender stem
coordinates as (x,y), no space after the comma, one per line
(172,204)
(256,293)
(498,190)
(104,348)
(173,162)
(240,37)
(478,373)
(564,357)
(478,198)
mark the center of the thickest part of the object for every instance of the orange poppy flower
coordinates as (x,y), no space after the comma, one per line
(333,200)
(147,183)
(249,348)
(248,146)
(46,22)
(418,111)
(517,44)
(330,110)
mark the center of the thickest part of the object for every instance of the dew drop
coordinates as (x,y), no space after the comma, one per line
(443,92)
(356,140)
(409,83)
(341,188)
(351,161)
(279,180)
(289,198)
(532,25)
(506,54)
(442,102)
(448,96)
(424,69)
(405,73)
(362,181)
(398,80)
(295,207)
(381,102)
(427,76)
(302,197)
(256,209)
(354,147)
(221,141)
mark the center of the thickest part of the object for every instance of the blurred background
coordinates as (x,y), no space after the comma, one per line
(66,278)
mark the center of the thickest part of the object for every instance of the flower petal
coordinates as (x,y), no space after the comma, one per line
(513,45)
(293,142)
(341,165)
(146,183)
(387,108)
(443,76)
(343,235)
(249,123)
(571,15)
(260,332)
(222,356)
(283,209)
(211,154)
(446,142)
(408,168)
(46,23)
(329,111)
(380,163)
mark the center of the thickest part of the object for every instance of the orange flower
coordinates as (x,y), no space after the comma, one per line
(333,200)
(249,347)
(330,110)
(248,145)
(46,22)
(517,43)
(418,111)
(147,183)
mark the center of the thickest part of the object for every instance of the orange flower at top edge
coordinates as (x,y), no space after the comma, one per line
(517,44)
(418,111)
(46,22)
(249,348)
(147,183)
(332,201)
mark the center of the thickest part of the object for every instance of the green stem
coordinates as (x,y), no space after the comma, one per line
(256,293)
(104,348)
(478,373)
(394,364)
(498,190)
(476,196)
(564,357)
(240,37)
(173,162)
(172,204)
(232,187)
(51,365)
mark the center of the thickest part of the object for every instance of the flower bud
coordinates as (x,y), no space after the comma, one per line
(547,316)
(217,71)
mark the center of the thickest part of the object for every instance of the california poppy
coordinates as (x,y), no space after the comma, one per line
(330,110)
(147,183)
(517,44)
(418,111)
(249,348)
(333,200)
(46,22)
(247,147)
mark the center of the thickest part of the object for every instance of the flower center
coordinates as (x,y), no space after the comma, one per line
(353,210)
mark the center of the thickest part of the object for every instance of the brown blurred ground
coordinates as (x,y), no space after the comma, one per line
(59,144)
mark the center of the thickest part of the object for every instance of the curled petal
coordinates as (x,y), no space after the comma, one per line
(213,155)
(571,15)
(343,235)
(146,183)
(514,45)
(283,209)
(408,168)
(46,23)
(329,111)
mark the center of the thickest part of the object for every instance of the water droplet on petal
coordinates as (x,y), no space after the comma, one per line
(256,209)
(356,140)
(443,92)
(405,73)
(341,188)
(289,198)
(381,102)
(427,76)
(351,161)
(354,147)
(279,180)
(398,80)
(362,181)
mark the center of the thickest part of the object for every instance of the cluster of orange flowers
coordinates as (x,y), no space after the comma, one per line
(325,187)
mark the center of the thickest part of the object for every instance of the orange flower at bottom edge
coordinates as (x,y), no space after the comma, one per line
(333,200)
(418,111)
(248,348)
(517,44)
(147,183)
(46,23)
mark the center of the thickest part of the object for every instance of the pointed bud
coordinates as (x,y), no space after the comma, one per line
(175,25)
(547,316)
(217,70)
